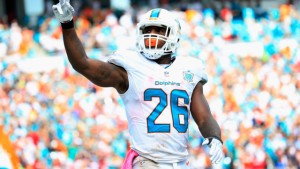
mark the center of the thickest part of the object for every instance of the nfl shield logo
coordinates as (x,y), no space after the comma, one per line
(188,76)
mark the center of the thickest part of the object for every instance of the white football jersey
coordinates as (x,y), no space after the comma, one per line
(157,104)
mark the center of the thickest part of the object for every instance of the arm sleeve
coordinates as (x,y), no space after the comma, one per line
(116,58)
(121,58)
(199,69)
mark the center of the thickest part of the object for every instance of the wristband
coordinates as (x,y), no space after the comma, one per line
(214,137)
(67,25)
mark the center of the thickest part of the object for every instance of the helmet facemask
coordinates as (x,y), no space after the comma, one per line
(170,39)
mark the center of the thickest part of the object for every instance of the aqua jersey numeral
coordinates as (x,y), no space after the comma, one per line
(176,110)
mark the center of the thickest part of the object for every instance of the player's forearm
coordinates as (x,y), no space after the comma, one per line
(75,51)
(209,127)
(201,113)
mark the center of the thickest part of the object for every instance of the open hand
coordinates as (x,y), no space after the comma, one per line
(216,151)
(63,11)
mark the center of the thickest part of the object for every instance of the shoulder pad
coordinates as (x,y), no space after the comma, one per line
(197,66)
(123,58)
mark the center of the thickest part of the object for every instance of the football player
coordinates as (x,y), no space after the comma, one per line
(160,91)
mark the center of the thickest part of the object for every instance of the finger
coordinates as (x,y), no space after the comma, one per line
(221,157)
(212,149)
(218,157)
(71,8)
(213,158)
(57,8)
(62,2)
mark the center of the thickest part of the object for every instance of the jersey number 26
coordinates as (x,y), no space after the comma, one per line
(176,110)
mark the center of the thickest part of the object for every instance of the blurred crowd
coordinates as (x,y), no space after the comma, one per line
(58,119)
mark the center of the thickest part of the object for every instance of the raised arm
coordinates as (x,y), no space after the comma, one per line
(207,125)
(100,73)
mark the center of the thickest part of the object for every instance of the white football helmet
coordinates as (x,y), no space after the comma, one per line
(162,18)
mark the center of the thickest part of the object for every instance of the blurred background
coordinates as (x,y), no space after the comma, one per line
(52,117)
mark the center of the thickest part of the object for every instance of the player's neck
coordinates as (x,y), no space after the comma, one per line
(167,59)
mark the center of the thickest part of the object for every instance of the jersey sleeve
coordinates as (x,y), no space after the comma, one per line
(202,74)
(199,70)
(122,58)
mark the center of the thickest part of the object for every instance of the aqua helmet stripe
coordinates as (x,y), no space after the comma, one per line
(154,13)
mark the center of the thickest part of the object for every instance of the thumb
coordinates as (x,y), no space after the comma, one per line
(212,149)
(205,142)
